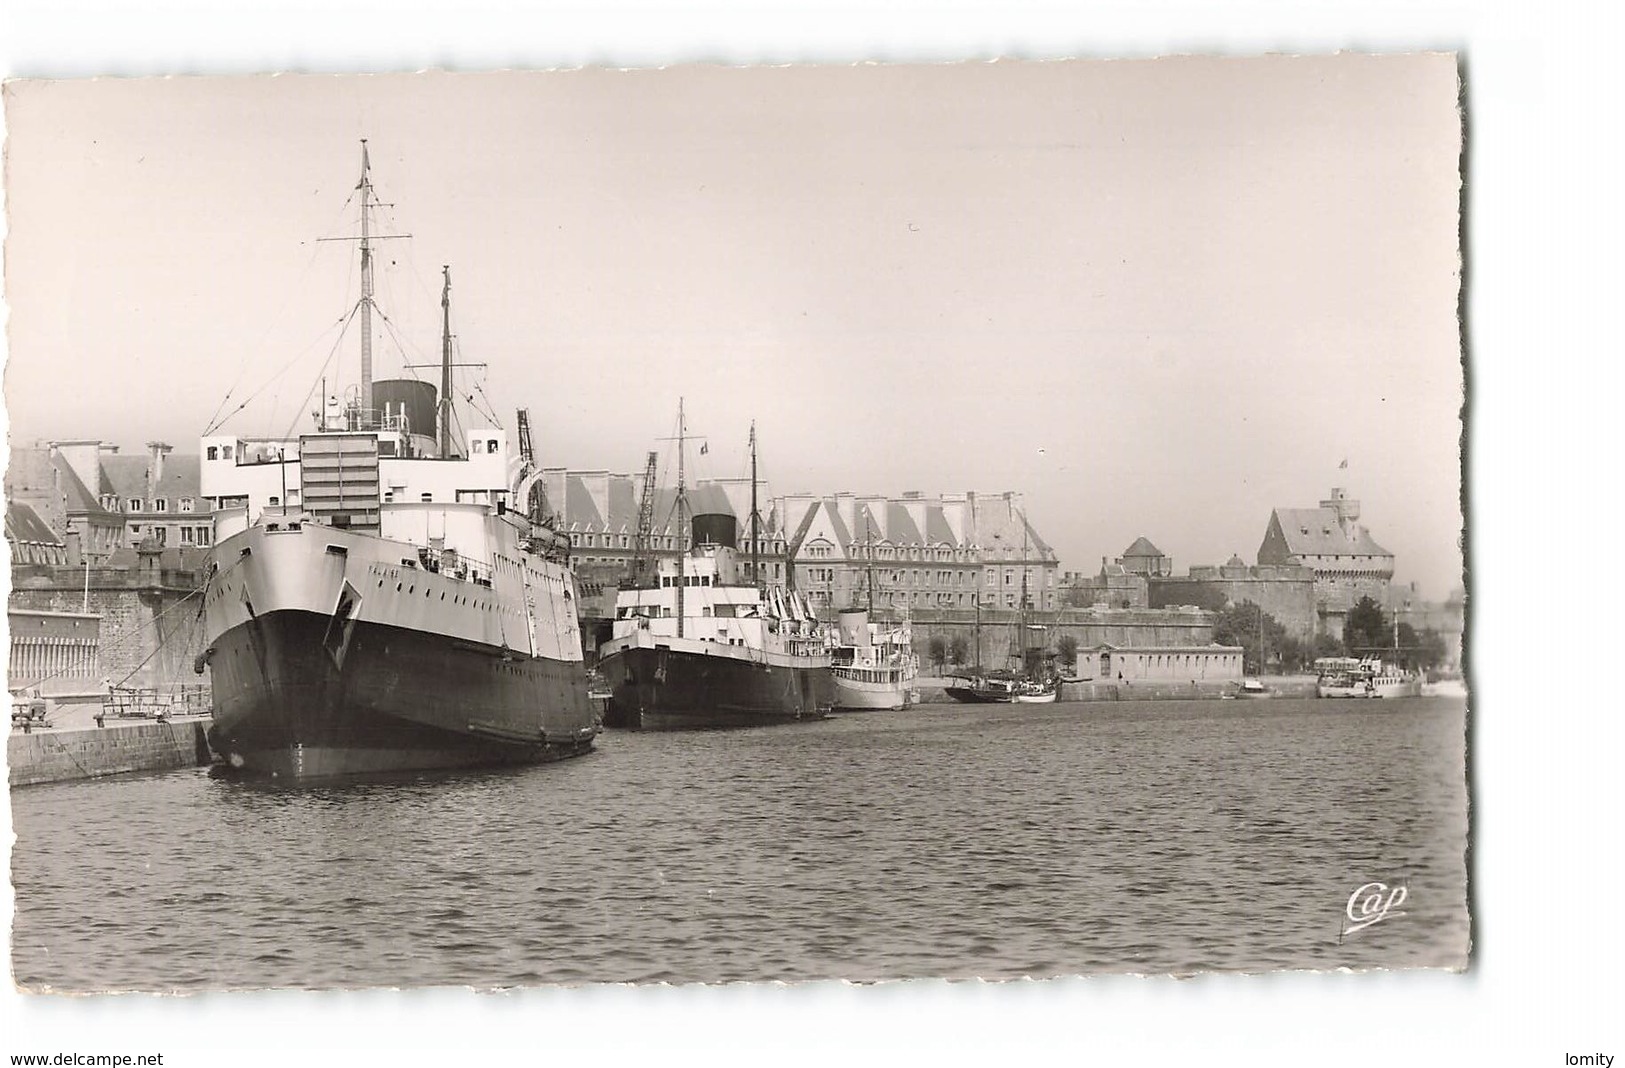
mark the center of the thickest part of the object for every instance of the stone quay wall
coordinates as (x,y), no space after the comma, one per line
(91,752)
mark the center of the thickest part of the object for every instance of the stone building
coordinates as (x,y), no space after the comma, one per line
(1163,663)
(158,495)
(1119,585)
(1347,562)
(1143,558)
(98,500)
(598,510)
(1115,587)
(131,619)
(41,478)
(956,551)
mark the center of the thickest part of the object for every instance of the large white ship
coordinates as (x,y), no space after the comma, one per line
(382,596)
(874,664)
(1352,677)
(706,645)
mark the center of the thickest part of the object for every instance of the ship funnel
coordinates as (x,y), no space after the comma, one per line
(854,624)
(716,528)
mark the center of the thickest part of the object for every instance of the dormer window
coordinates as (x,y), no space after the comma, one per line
(214,452)
(186,504)
(160,504)
(134,504)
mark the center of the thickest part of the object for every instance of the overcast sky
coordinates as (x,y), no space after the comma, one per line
(1154,297)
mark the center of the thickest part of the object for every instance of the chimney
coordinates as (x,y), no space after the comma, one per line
(156,451)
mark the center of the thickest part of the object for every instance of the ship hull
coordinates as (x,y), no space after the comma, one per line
(980,693)
(669,687)
(287,707)
(1046,698)
(857,695)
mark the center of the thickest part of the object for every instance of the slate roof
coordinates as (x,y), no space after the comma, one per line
(1142,547)
(126,477)
(579,507)
(1317,532)
(23,525)
(79,497)
(842,534)
(582,512)
(900,528)
(1000,524)
(937,531)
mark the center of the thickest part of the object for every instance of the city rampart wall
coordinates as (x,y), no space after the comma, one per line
(149,632)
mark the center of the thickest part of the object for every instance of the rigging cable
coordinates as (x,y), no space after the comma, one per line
(315,382)
(286,300)
(342,325)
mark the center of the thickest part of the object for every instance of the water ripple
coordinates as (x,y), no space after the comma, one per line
(951,842)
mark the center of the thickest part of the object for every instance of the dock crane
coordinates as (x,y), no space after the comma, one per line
(642,543)
(533,493)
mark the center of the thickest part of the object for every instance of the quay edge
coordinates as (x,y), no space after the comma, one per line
(63,755)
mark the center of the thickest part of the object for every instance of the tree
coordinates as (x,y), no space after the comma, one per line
(1367,629)
(1326,645)
(1431,650)
(1246,625)
(1294,654)
(958,649)
(1067,646)
(938,650)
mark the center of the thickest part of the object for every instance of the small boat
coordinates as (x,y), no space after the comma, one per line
(1252,690)
(1037,692)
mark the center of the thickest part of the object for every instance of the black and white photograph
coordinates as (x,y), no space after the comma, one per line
(727,526)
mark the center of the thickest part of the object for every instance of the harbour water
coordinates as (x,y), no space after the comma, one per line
(941,841)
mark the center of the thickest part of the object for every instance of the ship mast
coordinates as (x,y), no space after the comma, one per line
(869,552)
(445,366)
(682,524)
(755,532)
(366,288)
(1021,625)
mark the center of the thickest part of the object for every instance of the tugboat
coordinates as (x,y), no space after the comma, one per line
(874,664)
(373,602)
(704,645)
